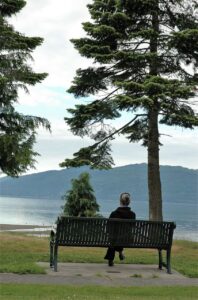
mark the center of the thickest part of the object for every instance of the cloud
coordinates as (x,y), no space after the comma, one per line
(57,22)
(60,145)
(42,95)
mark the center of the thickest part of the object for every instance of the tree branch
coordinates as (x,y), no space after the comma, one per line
(118,130)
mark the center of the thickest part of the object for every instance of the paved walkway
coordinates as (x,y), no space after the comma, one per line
(101,274)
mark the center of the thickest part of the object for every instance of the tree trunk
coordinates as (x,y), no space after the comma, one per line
(154,182)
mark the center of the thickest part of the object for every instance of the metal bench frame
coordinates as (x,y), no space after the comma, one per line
(103,232)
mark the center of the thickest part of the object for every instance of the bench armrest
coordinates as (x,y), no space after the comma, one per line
(53,233)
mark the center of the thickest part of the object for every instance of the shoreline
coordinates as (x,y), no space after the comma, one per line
(15,227)
(47,228)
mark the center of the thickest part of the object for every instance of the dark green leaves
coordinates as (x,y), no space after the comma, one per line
(137,131)
(17,131)
(96,156)
(9,7)
(186,43)
(17,137)
(84,116)
(89,81)
(80,200)
(140,49)
(181,115)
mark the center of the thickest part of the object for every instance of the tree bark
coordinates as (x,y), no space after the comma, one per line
(154,182)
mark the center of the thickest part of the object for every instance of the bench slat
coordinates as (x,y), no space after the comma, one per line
(105,232)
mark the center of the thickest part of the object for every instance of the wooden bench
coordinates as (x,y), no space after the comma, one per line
(103,232)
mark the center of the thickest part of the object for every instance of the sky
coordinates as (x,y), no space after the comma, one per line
(57,22)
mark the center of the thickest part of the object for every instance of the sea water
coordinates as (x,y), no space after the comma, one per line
(27,211)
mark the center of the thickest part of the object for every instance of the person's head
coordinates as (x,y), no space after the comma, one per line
(125,199)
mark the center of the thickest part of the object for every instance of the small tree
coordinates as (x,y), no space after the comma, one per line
(80,200)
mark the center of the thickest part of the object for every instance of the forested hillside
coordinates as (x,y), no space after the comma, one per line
(179,184)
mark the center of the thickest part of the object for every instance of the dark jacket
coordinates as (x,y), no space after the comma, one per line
(123,213)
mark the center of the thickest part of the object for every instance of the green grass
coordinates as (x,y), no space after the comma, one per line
(19,254)
(136,275)
(52,292)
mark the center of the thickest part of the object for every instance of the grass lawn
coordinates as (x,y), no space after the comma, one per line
(49,292)
(19,252)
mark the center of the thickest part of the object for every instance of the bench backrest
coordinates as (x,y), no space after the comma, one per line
(103,232)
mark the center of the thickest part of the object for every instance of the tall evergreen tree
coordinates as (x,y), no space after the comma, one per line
(145,55)
(80,200)
(17,131)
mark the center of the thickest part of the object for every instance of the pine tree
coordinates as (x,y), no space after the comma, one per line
(80,200)
(17,131)
(145,55)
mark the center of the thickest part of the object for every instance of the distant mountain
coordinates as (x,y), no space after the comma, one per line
(178,184)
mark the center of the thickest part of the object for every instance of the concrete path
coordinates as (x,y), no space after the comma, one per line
(101,274)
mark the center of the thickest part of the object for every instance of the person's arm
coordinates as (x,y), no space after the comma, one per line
(112,215)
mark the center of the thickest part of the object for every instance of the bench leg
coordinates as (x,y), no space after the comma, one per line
(168,255)
(160,258)
(51,255)
(55,258)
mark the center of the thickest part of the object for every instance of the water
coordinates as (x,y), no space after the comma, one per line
(44,212)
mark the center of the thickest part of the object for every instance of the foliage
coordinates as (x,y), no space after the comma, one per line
(17,131)
(80,200)
(145,55)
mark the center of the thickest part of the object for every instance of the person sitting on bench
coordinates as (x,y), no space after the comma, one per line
(122,212)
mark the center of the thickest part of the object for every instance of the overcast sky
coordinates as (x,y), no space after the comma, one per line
(57,22)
